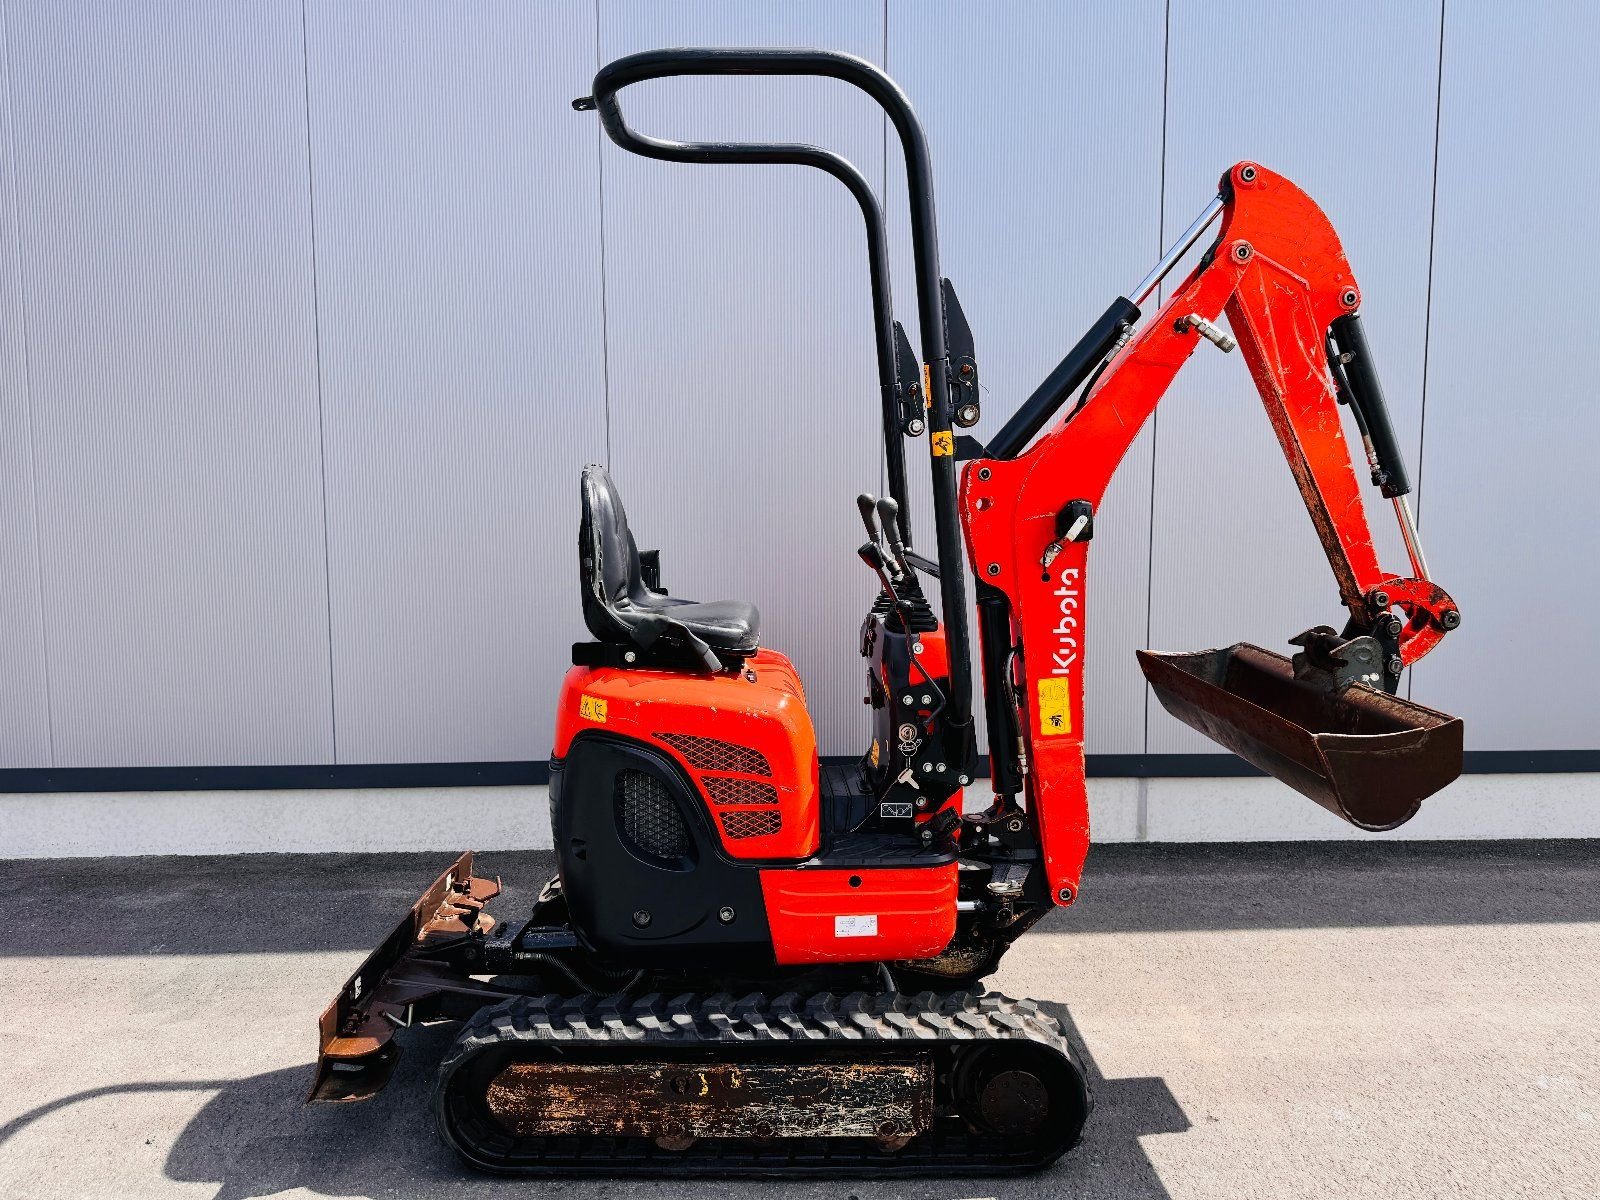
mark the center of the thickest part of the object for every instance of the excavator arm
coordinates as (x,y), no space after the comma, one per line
(1279,275)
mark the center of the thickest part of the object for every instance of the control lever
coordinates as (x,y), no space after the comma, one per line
(869,506)
(867,503)
(889,520)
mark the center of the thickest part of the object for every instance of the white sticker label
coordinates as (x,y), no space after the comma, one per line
(855,926)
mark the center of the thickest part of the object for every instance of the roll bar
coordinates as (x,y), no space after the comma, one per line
(796,155)
(662,64)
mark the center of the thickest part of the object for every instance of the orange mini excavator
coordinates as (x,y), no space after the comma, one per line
(748,963)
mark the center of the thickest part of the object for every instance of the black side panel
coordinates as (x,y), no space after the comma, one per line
(643,871)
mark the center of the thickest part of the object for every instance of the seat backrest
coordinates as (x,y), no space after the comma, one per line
(608,558)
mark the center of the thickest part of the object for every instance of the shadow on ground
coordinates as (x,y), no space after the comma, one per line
(255,1137)
(261,903)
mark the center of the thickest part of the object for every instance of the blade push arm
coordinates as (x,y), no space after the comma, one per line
(1279,275)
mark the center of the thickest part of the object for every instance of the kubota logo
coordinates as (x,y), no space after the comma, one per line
(1066,630)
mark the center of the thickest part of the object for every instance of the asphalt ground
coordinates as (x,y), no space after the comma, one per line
(1374,1019)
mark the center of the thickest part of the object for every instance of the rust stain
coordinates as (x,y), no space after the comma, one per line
(677,1100)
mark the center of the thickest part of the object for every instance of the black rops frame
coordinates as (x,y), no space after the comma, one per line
(661,64)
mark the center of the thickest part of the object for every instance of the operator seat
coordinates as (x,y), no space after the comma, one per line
(619,607)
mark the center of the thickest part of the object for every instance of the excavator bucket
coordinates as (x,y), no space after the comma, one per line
(1362,754)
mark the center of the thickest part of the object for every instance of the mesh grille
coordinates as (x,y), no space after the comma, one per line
(749,823)
(739,791)
(709,754)
(648,817)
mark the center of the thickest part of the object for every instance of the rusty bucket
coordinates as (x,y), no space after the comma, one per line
(1362,754)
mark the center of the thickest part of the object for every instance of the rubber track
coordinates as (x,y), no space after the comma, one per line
(691,1021)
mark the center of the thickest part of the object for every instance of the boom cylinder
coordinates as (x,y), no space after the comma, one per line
(1068,376)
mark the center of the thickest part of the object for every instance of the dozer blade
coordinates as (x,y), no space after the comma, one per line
(1362,754)
(395,986)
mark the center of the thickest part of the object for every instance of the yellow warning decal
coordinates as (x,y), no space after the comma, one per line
(1055,707)
(944,444)
(592,708)
(927,387)
(873,756)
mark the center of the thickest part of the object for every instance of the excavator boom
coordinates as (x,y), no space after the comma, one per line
(1327,723)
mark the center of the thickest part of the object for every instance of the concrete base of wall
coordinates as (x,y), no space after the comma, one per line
(102,824)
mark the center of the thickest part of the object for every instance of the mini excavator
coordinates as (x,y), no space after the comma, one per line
(751,963)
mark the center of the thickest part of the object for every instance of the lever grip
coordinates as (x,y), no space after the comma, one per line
(868,505)
(889,521)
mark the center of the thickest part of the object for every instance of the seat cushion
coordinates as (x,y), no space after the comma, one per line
(721,624)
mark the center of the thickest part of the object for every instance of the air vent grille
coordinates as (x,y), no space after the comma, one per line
(750,822)
(710,754)
(724,790)
(648,817)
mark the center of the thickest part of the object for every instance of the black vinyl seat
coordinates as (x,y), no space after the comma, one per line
(620,607)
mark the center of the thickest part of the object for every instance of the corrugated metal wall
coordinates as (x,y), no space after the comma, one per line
(310,313)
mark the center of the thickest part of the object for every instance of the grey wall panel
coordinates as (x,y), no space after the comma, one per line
(166,261)
(744,393)
(459,283)
(1509,507)
(1047,155)
(1235,556)
(210,554)
(24,692)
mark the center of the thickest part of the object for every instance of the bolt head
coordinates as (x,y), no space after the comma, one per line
(1349,297)
(1380,599)
(1248,173)
(963,780)
(1242,252)
(927,768)
(726,915)
(910,699)
(1395,665)
(993,568)
(641,918)
(1065,895)
(916,647)
(922,802)
(1450,618)
(1014,825)
(915,426)
(630,656)
(984,473)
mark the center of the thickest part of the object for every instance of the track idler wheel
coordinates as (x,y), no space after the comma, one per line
(1020,1096)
